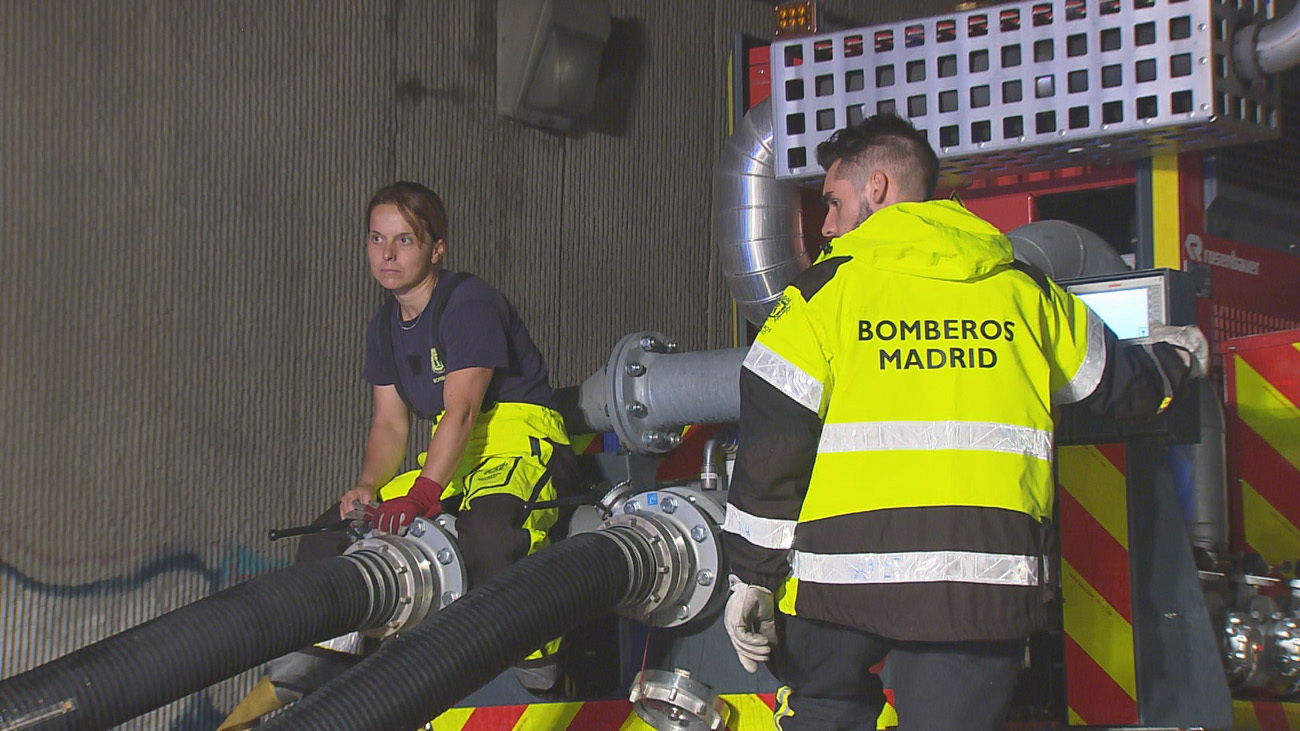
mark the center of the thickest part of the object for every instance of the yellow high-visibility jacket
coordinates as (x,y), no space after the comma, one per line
(895,464)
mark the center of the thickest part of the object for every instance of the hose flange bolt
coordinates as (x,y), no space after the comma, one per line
(704,578)
(668,505)
(699,533)
(663,441)
(444,556)
(652,344)
(637,410)
(635,370)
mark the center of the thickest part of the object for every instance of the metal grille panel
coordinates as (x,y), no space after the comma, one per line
(1030,85)
(1272,168)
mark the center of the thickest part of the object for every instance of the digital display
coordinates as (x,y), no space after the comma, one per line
(1124,310)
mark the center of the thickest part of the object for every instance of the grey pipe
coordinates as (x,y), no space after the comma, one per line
(1260,50)
(757,223)
(1278,46)
(647,391)
(1063,250)
(1206,461)
(694,388)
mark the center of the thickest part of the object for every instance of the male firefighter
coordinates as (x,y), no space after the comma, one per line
(894,485)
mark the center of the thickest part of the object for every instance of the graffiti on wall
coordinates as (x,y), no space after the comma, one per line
(41,621)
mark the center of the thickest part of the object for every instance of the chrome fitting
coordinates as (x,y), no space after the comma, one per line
(675,700)
(669,537)
(409,576)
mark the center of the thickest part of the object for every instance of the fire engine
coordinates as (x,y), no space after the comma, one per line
(1133,150)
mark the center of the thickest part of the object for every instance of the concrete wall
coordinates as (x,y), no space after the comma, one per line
(183,290)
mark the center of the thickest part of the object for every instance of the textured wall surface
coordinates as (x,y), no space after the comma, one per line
(182,283)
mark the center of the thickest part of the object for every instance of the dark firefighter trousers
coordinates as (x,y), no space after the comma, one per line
(829,684)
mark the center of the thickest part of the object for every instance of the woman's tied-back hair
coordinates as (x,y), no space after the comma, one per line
(883,142)
(421,207)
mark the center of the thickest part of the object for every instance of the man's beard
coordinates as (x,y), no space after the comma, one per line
(864,211)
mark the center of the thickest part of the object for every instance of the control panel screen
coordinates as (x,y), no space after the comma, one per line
(1124,310)
(1130,303)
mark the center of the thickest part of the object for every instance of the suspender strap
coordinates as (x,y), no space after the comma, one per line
(536,447)
(562,469)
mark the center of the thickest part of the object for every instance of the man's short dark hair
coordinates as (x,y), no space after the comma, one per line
(883,140)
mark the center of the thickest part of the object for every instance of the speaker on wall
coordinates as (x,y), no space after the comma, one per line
(548,59)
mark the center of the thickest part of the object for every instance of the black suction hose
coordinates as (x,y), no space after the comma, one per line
(458,650)
(188,649)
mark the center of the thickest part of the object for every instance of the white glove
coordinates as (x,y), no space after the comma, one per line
(750,620)
(1189,338)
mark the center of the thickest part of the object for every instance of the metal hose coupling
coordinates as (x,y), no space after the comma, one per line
(410,576)
(669,537)
(648,390)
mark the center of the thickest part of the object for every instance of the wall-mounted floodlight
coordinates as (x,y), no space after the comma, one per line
(548,59)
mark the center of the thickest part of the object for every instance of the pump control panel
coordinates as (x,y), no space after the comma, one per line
(1130,303)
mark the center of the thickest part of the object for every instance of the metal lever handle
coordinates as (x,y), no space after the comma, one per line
(563,502)
(276,534)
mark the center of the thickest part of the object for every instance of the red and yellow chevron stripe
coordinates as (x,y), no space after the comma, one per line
(1263,384)
(1265,716)
(584,443)
(1262,379)
(1100,674)
(749,712)
(596,715)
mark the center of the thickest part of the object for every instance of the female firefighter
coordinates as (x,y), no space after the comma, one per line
(448,347)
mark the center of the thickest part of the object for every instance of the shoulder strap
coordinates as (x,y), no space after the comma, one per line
(1038,275)
(441,294)
(386,343)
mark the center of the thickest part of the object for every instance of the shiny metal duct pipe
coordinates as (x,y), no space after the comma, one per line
(757,224)
(1260,50)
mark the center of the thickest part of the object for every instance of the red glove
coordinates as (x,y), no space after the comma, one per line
(392,516)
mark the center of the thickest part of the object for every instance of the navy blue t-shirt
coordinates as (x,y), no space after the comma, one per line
(478,328)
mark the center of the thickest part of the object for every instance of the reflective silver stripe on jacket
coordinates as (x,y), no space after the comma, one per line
(785,376)
(874,436)
(764,532)
(916,567)
(1090,371)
